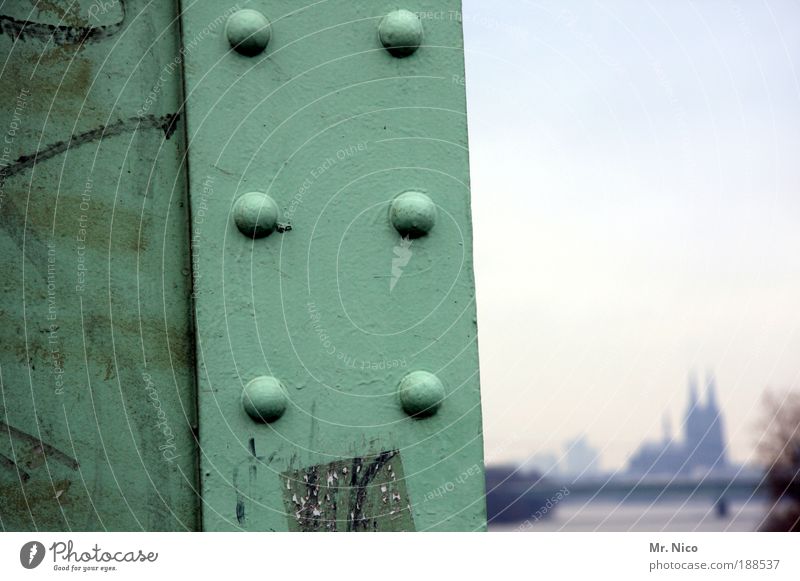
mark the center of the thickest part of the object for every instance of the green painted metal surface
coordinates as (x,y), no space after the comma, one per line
(335,304)
(97,398)
(138,303)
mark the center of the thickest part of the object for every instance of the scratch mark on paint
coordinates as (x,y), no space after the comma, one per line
(12,217)
(167,123)
(40,446)
(358,486)
(21,30)
(240,512)
(240,518)
(253,465)
(6,462)
(252,461)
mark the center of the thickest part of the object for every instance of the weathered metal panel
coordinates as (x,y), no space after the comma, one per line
(335,303)
(358,494)
(97,403)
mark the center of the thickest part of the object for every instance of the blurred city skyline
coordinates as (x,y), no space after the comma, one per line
(635,207)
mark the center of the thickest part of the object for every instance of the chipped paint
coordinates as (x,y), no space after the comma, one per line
(358,503)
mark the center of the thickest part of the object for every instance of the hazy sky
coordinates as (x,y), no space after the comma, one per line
(636,203)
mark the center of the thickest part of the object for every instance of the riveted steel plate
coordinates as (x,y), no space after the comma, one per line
(335,303)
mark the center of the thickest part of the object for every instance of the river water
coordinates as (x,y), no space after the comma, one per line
(671,516)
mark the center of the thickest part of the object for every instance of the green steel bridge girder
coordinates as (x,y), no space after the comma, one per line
(240,269)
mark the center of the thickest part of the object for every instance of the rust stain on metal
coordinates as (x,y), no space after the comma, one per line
(40,497)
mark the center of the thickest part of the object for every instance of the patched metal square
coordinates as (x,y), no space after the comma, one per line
(366,493)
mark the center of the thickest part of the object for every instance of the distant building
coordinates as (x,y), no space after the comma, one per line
(702,449)
(544,463)
(580,459)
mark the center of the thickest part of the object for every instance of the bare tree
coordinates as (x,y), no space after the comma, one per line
(780,450)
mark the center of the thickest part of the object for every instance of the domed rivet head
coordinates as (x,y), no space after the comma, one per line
(264,399)
(421,394)
(400,32)
(248,31)
(255,214)
(412,214)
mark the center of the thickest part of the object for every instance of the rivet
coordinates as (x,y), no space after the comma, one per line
(421,394)
(255,214)
(400,32)
(412,214)
(248,31)
(264,399)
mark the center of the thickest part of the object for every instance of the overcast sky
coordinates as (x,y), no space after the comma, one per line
(636,204)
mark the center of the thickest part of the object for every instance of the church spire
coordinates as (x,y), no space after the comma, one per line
(693,400)
(666,428)
(711,392)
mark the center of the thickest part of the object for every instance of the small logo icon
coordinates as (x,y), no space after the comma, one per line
(32,554)
(402,254)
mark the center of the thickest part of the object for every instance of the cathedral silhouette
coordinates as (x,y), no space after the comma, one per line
(702,449)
